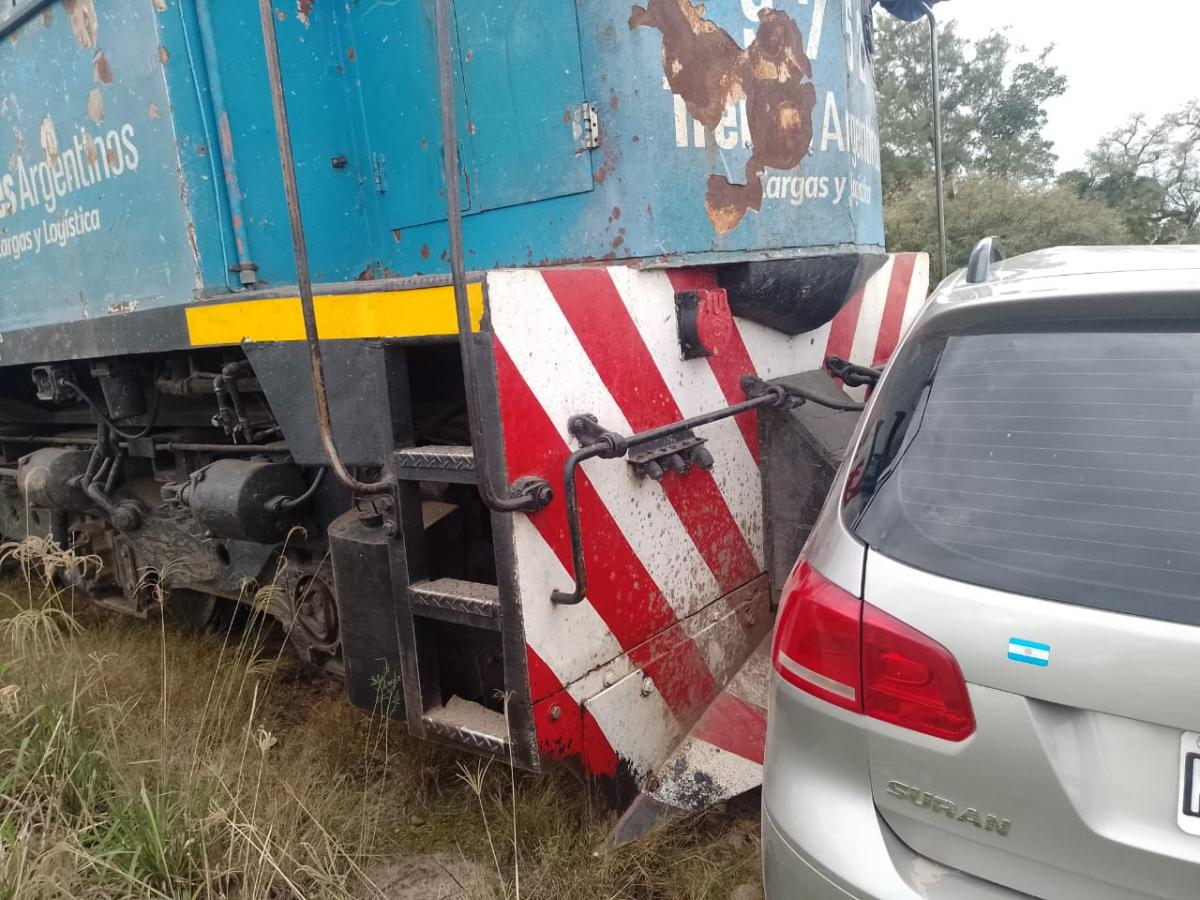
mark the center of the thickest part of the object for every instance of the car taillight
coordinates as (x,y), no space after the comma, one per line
(832,645)
(817,638)
(911,680)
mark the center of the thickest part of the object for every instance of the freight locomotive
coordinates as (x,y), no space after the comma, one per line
(475,327)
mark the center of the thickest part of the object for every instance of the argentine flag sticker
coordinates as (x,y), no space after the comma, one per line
(1023,651)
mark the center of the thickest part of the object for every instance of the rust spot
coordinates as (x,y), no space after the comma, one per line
(470,55)
(707,68)
(396,235)
(224,135)
(424,251)
(152,110)
(82,16)
(616,213)
(160,5)
(634,139)
(367,274)
(649,211)
(48,138)
(202,150)
(164,55)
(113,157)
(351,54)
(101,70)
(304,10)
(471,127)
(91,149)
(614,102)
(96,106)
(618,241)
(701,61)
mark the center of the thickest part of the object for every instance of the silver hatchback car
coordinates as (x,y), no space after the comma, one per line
(987,661)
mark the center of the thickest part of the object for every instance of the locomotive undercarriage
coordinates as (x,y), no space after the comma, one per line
(172,472)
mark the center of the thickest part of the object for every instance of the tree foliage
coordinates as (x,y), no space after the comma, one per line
(1149,172)
(1024,216)
(993,106)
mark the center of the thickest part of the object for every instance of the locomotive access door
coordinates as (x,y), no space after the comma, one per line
(519,89)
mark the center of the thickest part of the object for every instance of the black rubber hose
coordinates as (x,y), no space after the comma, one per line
(151,421)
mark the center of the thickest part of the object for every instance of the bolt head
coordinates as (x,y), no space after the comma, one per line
(555,713)
(390,528)
(647,687)
(610,678)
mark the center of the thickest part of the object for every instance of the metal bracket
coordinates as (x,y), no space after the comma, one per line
(247,272)
(675,453)
(585,126)
(50,383)
(586,429)
(852,375)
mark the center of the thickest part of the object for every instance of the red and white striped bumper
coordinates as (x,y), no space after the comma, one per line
(677,599)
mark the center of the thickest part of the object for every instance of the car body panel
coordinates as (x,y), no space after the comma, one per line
(822,835)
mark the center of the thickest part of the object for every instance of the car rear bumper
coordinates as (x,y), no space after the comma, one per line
(822,836)
(792,873)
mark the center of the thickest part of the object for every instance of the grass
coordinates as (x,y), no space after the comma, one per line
(137,760)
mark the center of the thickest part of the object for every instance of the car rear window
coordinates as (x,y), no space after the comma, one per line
(1058,465)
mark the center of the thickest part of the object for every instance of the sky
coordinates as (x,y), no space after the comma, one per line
(1119,57)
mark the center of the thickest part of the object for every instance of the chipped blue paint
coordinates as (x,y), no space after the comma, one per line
(362,99)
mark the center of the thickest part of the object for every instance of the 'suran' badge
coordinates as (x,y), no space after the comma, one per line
(1030,652)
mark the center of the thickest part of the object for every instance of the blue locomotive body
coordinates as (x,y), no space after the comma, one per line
(142,168)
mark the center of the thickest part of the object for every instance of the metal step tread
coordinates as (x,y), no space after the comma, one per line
(455,600)
(469,725)
(437,462)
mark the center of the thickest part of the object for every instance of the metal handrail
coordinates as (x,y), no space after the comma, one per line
(287,164)
(526,494)
(611,445)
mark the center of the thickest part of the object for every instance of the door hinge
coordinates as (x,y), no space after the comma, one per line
(585,126)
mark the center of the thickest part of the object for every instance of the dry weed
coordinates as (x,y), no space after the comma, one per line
(139,761)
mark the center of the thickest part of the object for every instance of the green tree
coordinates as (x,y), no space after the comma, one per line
(993,106)
(1024,216)
(1149,172)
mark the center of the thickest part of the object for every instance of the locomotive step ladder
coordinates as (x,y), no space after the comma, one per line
(438,645)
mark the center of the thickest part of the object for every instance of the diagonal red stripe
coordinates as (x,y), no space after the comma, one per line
(735,726)
(590,302)
(841,330)
(564,729)
(731,363)
(893,309)
(620,589)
